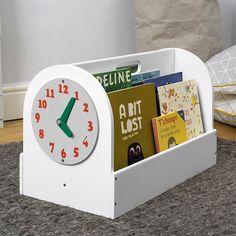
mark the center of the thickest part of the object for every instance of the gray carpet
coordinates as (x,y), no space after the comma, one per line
(203,205)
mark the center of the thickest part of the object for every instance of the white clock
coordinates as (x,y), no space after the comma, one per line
(65,121)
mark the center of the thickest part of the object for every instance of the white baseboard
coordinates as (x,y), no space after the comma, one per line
(1,109)
(13,101)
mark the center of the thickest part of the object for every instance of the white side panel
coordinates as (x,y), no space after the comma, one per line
(194,68)
(164,60)
(21,173)
(143,181)
(87,186)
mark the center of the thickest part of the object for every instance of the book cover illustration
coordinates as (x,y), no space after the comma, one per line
(138,79)
(166,79)
(169,130)
(115,80)
(133,110)
(183,96)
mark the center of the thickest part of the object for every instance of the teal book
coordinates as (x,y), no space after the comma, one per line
(138,79)
(115,80)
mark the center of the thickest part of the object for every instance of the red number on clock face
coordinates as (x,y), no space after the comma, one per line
(90,125)
(52,145)
(63,89)
(63,153)
(76,152)
(50,93)
(42,103)
(37,117)
(85,142)
(49,105)
(41,133)
(86,107)
(76,95)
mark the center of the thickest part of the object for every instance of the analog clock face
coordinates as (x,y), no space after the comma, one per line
(65,121)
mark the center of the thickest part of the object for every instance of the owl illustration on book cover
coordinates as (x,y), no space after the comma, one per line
(135,153)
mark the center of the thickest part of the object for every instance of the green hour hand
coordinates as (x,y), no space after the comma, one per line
(62,121)
(65,115)
(65,128)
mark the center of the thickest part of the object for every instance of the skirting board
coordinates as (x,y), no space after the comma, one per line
(1,110)
(13,101)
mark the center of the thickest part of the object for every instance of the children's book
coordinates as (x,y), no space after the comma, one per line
(138,79)
(183,96)
(115,80)
(169,130)
(133,110)
(166,79)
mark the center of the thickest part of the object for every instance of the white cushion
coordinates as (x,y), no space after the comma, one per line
(222,70)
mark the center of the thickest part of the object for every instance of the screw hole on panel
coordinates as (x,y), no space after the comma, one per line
(64,185)
(63,81)
(115,203)
(115,178)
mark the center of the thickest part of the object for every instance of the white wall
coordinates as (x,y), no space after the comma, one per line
(1,96)
(228,19)
(37,34)
(234,22)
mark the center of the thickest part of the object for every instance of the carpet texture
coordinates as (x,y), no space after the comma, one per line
(203,205)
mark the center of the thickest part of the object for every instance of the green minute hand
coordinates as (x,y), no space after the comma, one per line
(65,115)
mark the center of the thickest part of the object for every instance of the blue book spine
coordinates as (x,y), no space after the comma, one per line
(137,79)
(151,74)
(140,78)
(166,79)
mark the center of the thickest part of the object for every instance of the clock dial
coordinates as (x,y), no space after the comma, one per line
(65,121)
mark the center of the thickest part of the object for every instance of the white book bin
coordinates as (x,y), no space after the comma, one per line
(93,186)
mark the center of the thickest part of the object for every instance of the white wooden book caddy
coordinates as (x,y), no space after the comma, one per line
(92,185)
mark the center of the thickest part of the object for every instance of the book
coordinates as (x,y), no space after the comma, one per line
(133,110)
(138,79)
(166,79)
(183,96)
(169,130)
(115,80)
